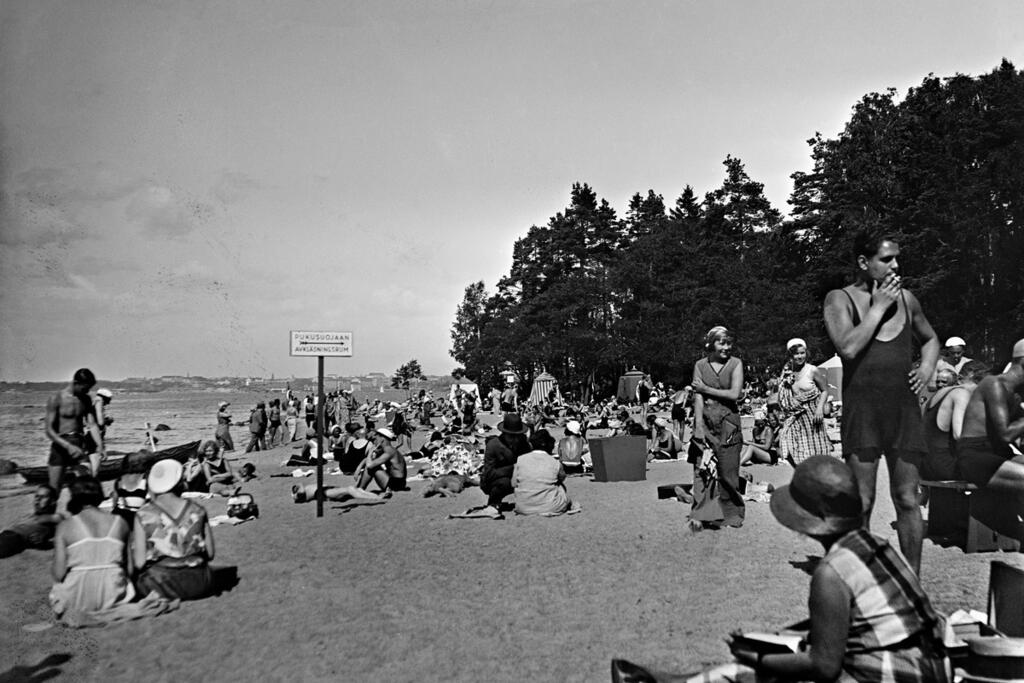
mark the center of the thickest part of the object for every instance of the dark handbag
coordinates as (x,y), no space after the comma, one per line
(243,506)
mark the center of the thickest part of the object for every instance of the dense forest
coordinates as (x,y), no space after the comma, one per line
(592,294)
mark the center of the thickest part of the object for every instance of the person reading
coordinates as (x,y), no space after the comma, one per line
(870,620)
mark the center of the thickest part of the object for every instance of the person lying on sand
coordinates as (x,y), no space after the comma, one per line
(35,530)
(853,633)
(353,494)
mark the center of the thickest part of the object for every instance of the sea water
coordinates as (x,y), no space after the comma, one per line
(191,415)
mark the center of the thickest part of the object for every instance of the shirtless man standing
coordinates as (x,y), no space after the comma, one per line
(994,420)
(872,324)
(69,415)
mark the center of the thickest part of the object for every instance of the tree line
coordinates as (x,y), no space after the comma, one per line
(591,294)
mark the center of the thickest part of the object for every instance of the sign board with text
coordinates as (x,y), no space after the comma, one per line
(306,343)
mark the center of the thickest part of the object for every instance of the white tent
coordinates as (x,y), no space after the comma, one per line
(832,373)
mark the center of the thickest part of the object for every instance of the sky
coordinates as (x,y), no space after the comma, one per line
(185,182)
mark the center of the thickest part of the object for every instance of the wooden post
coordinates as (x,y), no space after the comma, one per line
(320,436)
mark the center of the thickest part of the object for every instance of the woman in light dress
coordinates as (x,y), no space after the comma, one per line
(91,564)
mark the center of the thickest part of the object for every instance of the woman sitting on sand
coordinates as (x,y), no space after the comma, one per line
(537,479)
(762,448)
(403,433)
(218,471)
(665,443)
(870,619)
(176,543)
(89,562)
(130,489)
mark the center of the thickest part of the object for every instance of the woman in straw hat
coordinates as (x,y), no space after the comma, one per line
(802,395)
(870,619)
(175,543)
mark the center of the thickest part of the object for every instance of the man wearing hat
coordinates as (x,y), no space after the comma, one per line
(223,432)
(870,618)
(102,419)
(993,421)
(384,457)
(955,351)
(500,455)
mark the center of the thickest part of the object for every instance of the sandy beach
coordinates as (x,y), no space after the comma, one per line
(398,592)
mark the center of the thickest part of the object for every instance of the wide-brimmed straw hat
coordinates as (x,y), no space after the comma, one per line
(164,475)
(821,499)
(512,424)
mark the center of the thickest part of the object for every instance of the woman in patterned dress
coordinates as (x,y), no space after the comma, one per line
(802,396)
(178,547)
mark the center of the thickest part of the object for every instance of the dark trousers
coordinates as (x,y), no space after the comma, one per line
(255,443)
(498,490)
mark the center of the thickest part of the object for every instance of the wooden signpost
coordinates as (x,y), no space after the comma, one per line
(320,344)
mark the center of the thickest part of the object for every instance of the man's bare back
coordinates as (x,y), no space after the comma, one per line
(993,408)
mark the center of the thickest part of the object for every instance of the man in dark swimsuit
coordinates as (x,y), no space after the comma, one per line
(994,419)
(69,415)
(872,324)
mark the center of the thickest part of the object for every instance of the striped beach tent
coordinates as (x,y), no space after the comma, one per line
(542,384)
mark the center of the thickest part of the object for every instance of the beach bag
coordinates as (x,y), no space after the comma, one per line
(243,506)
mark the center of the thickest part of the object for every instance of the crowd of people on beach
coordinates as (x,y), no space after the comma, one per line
(943,416)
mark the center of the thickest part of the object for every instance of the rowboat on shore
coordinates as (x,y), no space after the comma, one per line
(110,468)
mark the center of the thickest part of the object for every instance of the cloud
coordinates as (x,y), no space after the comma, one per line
(233,186)
(161,212)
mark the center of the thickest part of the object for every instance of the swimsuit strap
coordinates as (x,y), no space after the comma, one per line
(113,523)
(856,311)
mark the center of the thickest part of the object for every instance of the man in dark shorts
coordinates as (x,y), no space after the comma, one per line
(384,456)
(69,415)
(994,420)
(872,324)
